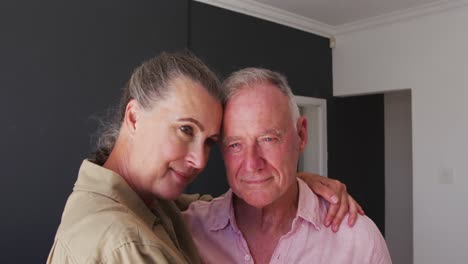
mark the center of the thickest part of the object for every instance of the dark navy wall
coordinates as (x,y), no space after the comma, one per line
(62,62)
(356,150)
(228,41)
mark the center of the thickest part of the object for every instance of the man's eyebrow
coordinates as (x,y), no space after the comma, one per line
(226,140)
(271,131)
(193,120)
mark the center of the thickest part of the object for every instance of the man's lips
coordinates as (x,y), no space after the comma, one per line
(256,181)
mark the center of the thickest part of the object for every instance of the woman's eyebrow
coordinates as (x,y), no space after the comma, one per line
(193,120)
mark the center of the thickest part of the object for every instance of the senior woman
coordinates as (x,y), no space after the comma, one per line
(121,209)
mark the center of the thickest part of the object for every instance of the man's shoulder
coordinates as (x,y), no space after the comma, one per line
(208,215)
(364,229)
(201,208)
(368,240)
(364,239)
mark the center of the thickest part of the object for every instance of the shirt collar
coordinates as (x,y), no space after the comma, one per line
(223,212)
(99,180)
(308,207)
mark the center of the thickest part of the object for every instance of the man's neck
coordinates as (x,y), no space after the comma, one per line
(274,215)
(263,227)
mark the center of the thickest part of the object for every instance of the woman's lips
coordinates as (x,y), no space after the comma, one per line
(184,177)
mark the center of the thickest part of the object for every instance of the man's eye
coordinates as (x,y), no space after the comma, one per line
(233,147)
(188,130)
(268,139)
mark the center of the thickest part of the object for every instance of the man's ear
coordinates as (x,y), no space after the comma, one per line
(301,127)
(132,111)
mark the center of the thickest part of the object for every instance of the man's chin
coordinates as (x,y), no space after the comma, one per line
(258,200)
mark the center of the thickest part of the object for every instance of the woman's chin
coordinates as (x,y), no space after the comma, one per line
(172,191)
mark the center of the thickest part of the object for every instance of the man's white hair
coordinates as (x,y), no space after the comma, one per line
(244,78)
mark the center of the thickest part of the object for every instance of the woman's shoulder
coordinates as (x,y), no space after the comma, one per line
(96,227)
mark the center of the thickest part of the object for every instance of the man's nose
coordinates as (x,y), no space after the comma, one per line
(254,160)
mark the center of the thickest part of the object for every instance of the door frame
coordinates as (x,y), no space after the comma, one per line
(316,148)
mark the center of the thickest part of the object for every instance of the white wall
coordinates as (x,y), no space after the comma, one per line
(398,176)
(429,55)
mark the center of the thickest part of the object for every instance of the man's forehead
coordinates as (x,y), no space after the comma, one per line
(258,108)
(257,88)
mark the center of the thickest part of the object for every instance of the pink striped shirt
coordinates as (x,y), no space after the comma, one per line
(219,240)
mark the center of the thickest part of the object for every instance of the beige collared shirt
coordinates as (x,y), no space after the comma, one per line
(105,221)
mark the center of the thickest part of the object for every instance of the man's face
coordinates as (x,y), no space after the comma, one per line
(261,144)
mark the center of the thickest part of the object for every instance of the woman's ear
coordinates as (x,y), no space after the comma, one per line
(132,112)
(301,127)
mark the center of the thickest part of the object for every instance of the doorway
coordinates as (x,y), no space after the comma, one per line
(314,158)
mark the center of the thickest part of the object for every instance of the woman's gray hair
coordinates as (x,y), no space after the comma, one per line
(149,83)
(245,77)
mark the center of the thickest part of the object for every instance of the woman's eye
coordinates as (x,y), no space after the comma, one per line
(188,130)
(210,142)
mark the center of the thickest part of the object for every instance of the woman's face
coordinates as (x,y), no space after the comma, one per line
(170,143)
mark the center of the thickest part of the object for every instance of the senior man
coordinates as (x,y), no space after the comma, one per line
(282,220)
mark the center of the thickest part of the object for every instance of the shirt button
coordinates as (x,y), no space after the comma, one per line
(247,257)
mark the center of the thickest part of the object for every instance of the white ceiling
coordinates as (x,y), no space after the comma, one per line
(340,12)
